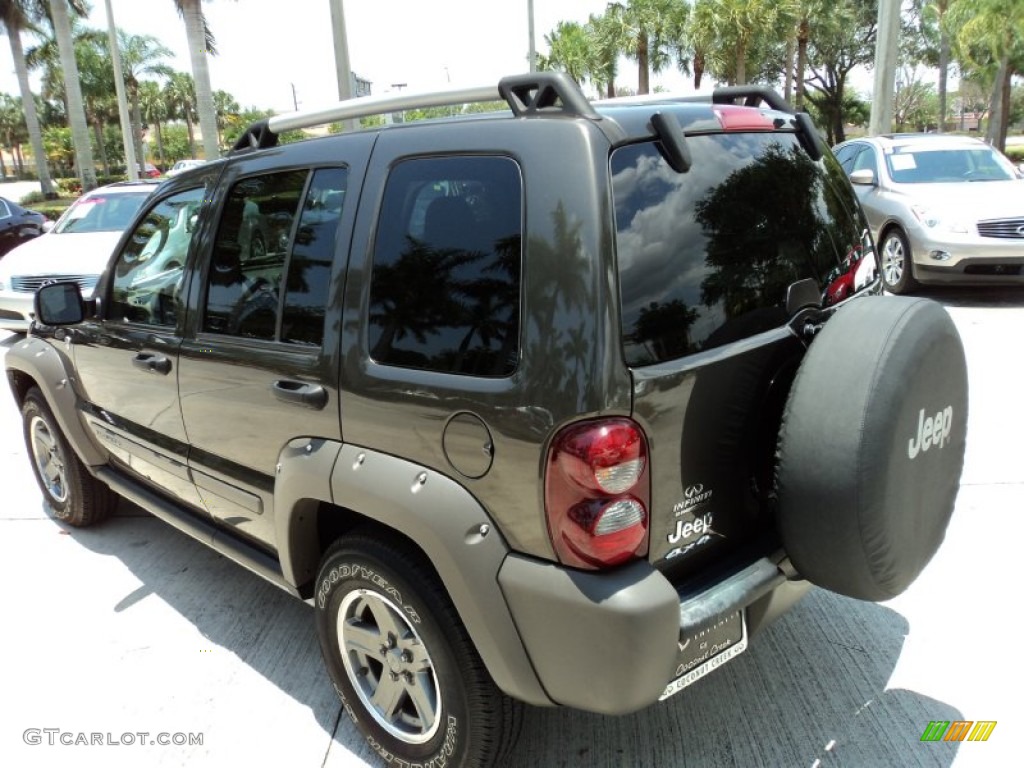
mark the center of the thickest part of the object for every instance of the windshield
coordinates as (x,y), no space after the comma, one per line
(912,165)
(99,212)
(706,257)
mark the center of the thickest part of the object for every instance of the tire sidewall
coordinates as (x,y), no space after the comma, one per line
(347,570)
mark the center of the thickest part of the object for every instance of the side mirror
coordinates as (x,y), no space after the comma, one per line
(863,176)
(59,304)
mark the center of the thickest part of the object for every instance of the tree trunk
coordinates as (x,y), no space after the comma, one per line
(28,102)
(790,57)
(191,134)
(698,68)
(3,165)
(802,36)
(72,87)
(944,51)
(741,64)
(98,130)
(137,132)
(201,73)
(643,64)
(160,144)
(997,115)
(611,88)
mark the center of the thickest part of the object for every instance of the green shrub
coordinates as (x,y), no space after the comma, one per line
(33,197)
(69,187)
(1016,153)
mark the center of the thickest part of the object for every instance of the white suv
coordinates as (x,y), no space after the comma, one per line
(77,248)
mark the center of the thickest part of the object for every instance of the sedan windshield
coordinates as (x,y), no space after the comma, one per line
(101,212)
(913,165)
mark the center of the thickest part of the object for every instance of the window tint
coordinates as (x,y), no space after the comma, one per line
(148,272)
(706,257)
(309,268)
(249,255)
(846,154)
(4,210)
(444,291)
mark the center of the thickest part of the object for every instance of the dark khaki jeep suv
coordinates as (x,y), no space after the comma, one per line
(551,405)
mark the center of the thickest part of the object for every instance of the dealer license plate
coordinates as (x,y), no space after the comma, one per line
(706,650)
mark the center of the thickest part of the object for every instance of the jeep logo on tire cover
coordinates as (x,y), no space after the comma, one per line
(931,432)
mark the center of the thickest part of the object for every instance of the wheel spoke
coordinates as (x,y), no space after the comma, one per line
(423,697)
(361,638)
(391,627)
(388,696)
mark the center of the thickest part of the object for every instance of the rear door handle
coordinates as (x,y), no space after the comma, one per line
(298,393)
(152,363)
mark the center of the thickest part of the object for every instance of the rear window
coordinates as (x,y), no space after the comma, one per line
(706,257)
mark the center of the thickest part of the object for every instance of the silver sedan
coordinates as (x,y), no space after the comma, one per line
(942,209)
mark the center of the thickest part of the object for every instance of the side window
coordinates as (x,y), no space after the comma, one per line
(445,282)
(248,260)
(4,210)
(309,268)
(865,160)
(845,155)
(148,271)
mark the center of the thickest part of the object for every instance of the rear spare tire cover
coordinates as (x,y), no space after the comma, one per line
(872,445)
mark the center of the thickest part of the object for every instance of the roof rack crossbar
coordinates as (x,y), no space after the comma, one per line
(367,106)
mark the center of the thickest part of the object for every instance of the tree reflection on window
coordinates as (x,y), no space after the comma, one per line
(444,291)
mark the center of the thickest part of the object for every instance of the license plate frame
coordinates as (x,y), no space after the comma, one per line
(706,650)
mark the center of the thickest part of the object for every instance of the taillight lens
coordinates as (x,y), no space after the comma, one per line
(597,493)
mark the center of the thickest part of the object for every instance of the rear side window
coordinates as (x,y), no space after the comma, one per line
(706,257)
(444,290)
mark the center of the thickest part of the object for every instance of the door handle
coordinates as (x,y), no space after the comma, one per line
(152,363)
(298,393)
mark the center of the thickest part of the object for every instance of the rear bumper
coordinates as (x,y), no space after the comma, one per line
(608,642)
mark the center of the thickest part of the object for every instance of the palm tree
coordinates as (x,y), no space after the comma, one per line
(153,106)
(200,43)
(180,99)
(990,38)
(939,9)
(227,111)
(72,88)
(724,27)
(140,55)
(650,32)
(569,50)
(17,15)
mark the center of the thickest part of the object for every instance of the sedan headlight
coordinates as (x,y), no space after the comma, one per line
(932,219)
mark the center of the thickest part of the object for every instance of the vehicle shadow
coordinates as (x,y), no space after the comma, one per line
(811,691)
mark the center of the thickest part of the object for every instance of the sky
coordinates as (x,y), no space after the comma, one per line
(267,46)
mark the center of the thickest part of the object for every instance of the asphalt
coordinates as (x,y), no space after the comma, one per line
(132,627)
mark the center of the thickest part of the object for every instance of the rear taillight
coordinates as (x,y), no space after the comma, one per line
(597,493)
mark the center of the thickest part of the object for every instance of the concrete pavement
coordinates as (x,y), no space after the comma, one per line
(133,627)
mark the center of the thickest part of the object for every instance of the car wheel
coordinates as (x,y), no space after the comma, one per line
(257,247)
(75,496)
(401,661)
(897,263)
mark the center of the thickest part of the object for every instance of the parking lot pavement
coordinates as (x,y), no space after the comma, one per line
(131,627)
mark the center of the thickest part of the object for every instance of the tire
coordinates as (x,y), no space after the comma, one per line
(864,493)
(897,263)
(388,632)
(75,496)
